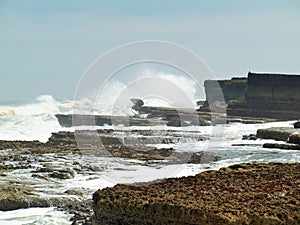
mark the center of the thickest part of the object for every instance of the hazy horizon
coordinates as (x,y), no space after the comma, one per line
(47,45)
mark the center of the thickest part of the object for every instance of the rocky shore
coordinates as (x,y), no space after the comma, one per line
(133,144)
(251,193)
(289,135)
(50,165)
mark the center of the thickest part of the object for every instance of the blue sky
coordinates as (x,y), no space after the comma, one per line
(47,45)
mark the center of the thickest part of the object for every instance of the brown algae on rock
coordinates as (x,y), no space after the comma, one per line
(249,193)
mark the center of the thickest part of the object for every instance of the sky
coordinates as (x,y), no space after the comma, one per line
(45,46)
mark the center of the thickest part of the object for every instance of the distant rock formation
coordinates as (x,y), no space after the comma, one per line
(260,95)
(233,90)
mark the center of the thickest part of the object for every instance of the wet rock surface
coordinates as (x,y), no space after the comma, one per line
(294,138)
(282,146)
(36,174)
(69,120)
(276,133)
(287,134)
(297,124)
(250,193)
(132,144)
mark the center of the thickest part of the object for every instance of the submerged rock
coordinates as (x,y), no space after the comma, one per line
(250,193)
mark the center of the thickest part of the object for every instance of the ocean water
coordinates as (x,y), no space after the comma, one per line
(36,121)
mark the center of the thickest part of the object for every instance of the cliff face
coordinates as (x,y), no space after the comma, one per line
(261,95)
(233,89)
(273,91)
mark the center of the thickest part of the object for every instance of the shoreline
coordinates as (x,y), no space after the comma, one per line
(56,162)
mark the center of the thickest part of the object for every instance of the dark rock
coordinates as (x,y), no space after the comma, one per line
(294,138)
(39,176)
(82,212)
(203,157)
(63,174)
(175,121)
(249,137)
(246,145)
(101,120)
(260,95)
(14,197)
(282,146)
(275,133)
(138,103)
(297,124)
(74,192)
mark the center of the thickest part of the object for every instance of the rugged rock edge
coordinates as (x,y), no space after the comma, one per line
(250,193)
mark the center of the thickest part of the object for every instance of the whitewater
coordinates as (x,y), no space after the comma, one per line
(36,121)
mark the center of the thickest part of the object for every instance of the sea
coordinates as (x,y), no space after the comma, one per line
(36,121)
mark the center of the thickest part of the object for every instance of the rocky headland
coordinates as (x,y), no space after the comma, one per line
(251,193)
(260,95)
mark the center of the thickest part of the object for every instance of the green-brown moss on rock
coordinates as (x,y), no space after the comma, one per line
(250,193)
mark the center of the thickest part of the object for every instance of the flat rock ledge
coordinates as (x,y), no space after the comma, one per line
(249,193)
(290,135)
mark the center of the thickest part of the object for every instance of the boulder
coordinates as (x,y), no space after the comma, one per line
(137,103)
(297,124)
(275,133)
(294,138)
(62,174)
(14,197)
(203,157)
(249,137)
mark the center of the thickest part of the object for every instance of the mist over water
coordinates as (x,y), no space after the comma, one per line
(36,121)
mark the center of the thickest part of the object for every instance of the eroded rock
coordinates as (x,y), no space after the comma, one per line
(255,193)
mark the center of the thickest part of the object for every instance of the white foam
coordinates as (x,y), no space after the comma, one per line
(34,121)
(35,216)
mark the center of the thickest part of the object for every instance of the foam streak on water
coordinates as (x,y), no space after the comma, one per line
(34,216)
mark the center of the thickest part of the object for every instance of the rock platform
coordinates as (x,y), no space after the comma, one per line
(250,193)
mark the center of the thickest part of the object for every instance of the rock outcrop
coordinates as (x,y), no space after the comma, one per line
(294,138)
(130,146)
(260,95)
(289,135)
(232,90)
(297,124)
(255,193)
(69,120)
(275,133)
